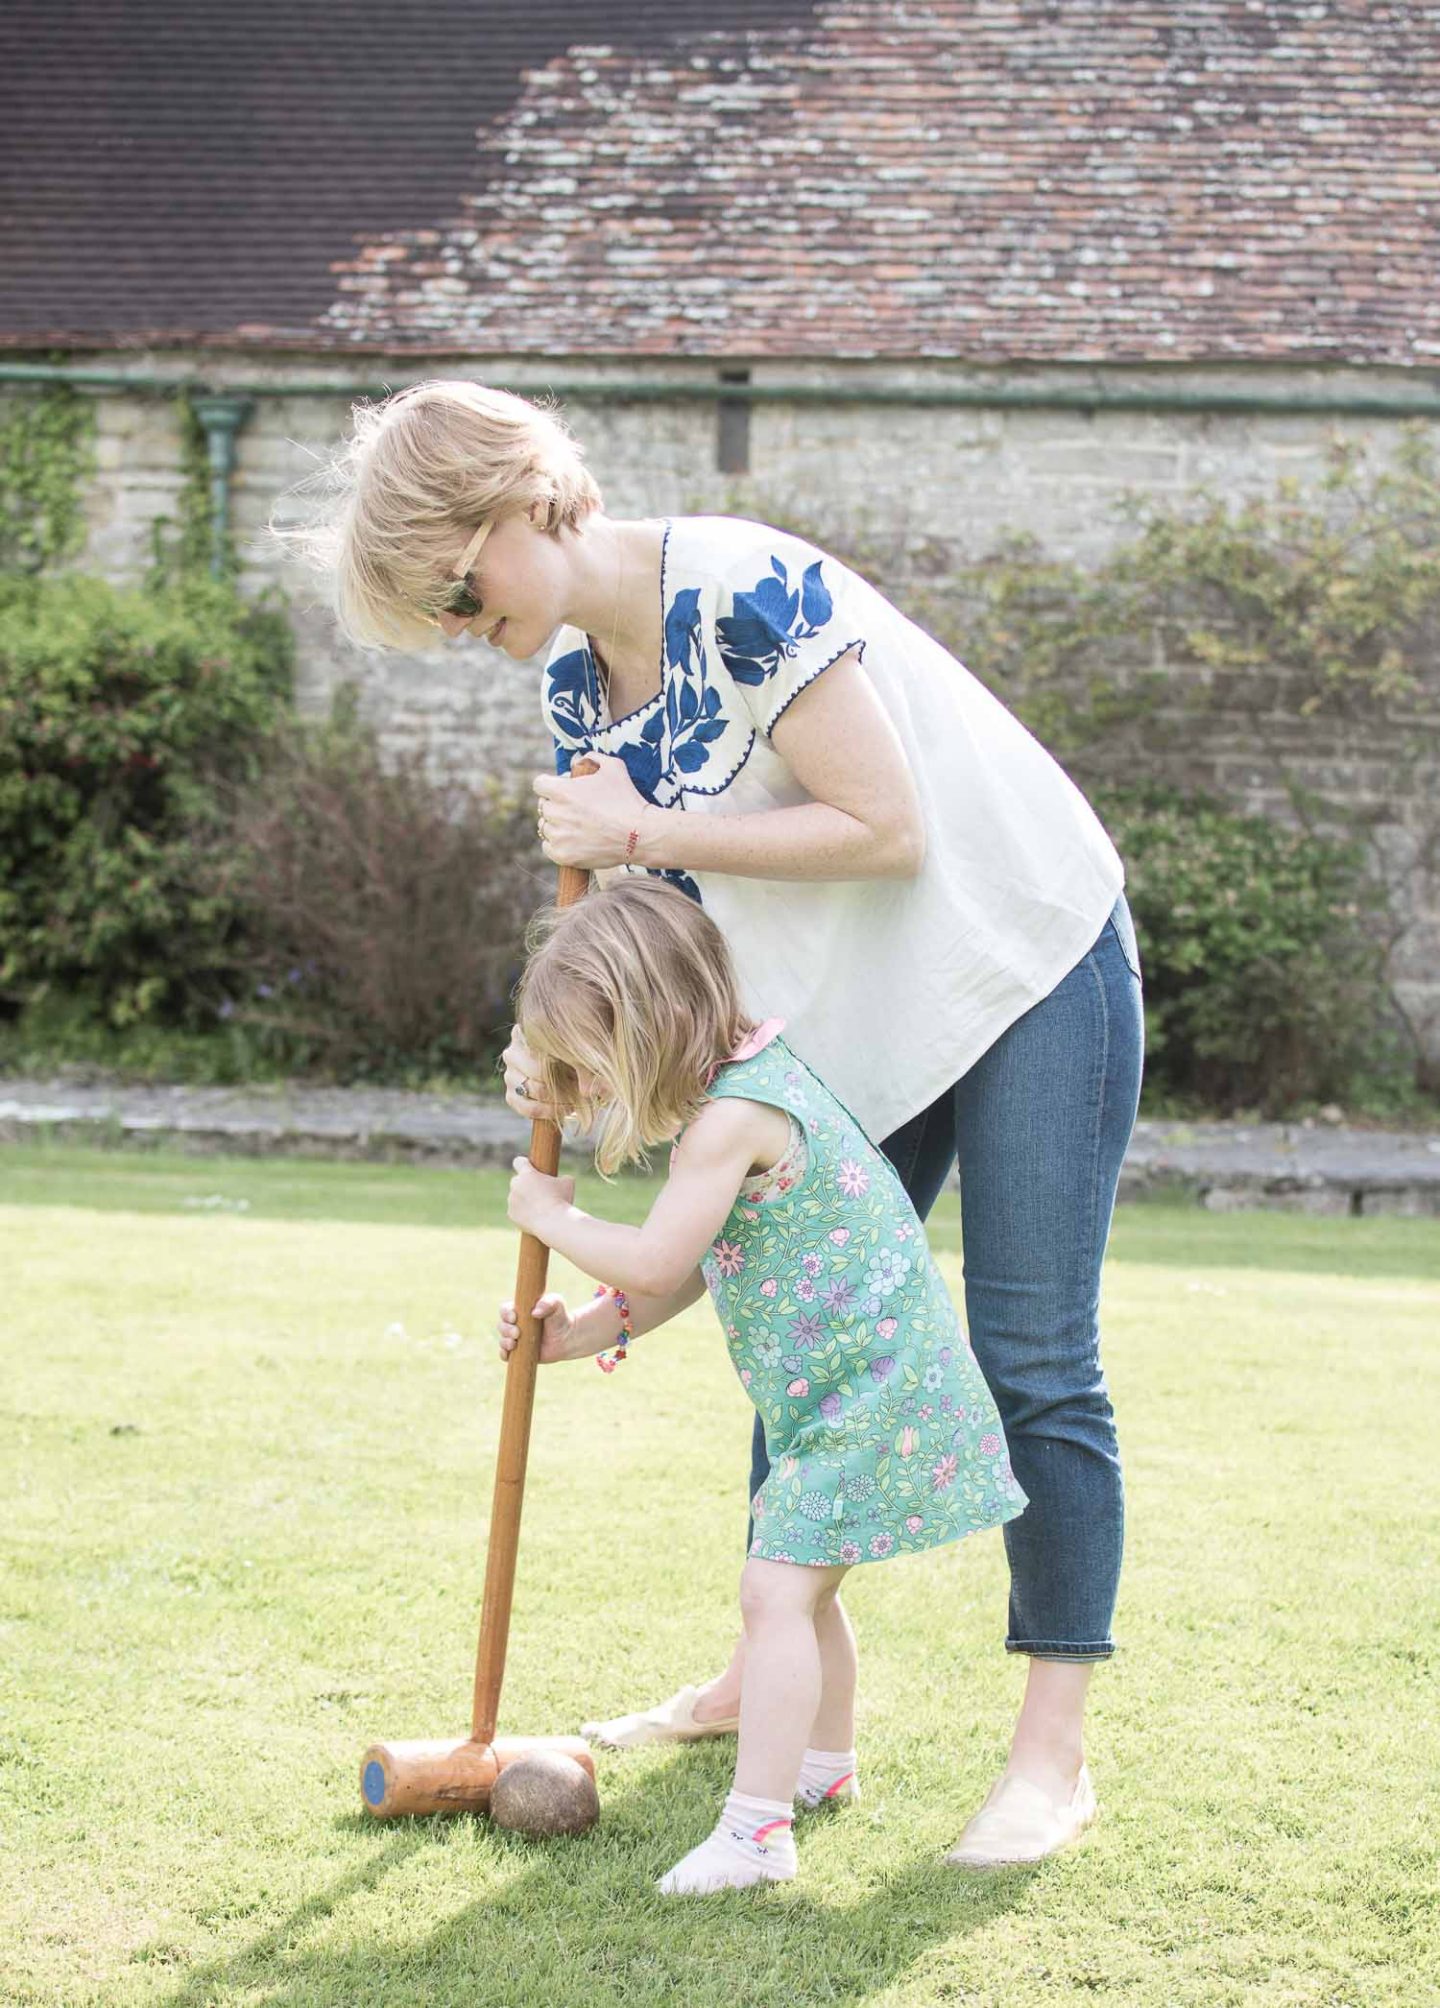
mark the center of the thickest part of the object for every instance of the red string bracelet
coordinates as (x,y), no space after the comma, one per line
(607,1363)
(634,836)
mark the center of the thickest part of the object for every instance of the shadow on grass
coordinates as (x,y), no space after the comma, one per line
(580,1922)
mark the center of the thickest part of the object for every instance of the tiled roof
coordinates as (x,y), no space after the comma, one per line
(183,170)
(989,180)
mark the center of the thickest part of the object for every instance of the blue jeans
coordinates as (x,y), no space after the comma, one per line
(1040,1125)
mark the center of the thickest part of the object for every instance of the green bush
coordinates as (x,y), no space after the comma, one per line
(1264,982)
(384,910)
(119,711)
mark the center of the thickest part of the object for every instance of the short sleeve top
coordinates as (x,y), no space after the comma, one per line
(891,988)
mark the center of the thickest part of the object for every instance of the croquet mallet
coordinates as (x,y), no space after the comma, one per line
(456,1776)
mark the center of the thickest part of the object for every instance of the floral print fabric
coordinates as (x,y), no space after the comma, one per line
(785,1172)
(771,630)
(882,1435)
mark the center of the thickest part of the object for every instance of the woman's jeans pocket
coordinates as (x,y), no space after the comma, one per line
(1122,925)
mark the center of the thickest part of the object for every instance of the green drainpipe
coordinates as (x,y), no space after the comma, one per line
(221,414)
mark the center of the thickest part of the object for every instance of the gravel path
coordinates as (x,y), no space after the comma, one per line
(1308,1167)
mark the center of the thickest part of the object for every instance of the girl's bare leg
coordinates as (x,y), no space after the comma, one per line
(781,1699)
(1048,1744)
(834,1724)
(784,1676)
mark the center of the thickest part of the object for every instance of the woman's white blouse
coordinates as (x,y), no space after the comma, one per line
(890,988)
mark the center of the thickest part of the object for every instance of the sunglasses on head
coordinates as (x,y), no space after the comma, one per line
(462,599)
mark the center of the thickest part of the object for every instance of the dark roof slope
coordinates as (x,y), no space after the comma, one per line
(176,172)
(982,179)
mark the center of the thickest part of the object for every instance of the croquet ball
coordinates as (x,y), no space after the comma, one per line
(543,1794)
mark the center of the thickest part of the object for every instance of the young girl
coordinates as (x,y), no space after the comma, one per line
(882,1434)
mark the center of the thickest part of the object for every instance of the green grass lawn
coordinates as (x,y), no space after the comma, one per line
(249,1413)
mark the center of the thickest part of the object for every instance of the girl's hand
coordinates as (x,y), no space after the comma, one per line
(586,819)
(535,1197)
(557,1331)
(521,1068)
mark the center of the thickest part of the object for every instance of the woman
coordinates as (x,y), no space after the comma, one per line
(900,870)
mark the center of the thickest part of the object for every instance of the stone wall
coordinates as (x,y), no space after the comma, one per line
(903,477)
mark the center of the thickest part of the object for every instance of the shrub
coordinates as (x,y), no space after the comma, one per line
(1216,619)
(1264,986)
(384,911)
(118,711)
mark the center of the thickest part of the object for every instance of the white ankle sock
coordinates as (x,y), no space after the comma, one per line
(753,1842)
(827,1778)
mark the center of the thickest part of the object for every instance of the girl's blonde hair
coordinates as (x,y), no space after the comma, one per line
(412,484)
(634,987)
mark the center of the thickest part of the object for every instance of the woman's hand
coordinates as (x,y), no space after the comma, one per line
(521,1068)
(557,1331)
(536,1198)
(586,819)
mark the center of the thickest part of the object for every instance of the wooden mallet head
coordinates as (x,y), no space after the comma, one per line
(455,1776)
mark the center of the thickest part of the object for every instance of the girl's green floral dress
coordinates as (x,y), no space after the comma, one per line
(882,1435)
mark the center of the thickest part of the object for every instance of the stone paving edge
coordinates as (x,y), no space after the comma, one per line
(1223,1166)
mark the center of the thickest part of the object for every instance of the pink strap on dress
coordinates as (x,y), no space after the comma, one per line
(754,1043)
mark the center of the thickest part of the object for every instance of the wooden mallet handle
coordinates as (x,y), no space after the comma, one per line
(515,1421)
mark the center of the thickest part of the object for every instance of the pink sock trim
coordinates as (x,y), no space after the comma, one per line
(839,1784)
(760,1833)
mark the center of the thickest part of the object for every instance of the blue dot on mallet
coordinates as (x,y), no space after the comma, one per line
(373,1784)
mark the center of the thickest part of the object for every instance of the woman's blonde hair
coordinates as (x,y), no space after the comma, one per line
(634,987)
(412,484)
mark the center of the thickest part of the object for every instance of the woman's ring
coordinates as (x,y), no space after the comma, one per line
(526,1092)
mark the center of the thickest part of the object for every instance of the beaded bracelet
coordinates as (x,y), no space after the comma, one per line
(607,1363)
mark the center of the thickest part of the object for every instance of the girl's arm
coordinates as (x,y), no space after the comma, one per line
(579,1335)
(597,1324)
(647,1314)
(863,820)
(655,1260)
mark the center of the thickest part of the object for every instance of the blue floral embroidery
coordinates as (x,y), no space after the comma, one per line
(573,704)
(681,880)
(676,734)
(693,719)
(682,630)
(682,725)
(668,744)
(770,621)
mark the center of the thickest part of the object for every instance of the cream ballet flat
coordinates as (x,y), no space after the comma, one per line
(671,1721)
(1019,1823)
